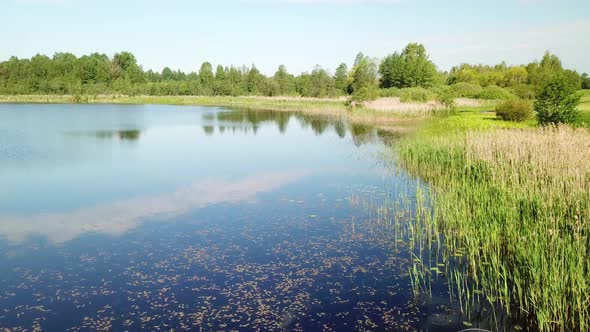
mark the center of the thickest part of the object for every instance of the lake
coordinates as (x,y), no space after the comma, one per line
(145,217)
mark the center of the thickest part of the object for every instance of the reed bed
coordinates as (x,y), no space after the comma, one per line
(509,218)
(394,104)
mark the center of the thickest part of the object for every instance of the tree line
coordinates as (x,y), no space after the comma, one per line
(408,73)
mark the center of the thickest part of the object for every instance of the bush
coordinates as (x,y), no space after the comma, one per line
(466,90)
(557,102)
(442,89)
(366,93)
(515,110)
(494,92)
(390,92)
(416,94)
(523,91)
(447,98)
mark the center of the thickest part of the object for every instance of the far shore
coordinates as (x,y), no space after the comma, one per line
(383,111)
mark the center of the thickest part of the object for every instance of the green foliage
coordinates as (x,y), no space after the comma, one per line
(494,92)
(523,91)
(557,102)
(446,97)
(484,75)
(125,67)
(317,84)
(363,74)
(390,92)
(341,78)
(410,68)
(466,90)
(254,81)
(550,67)
(515,110)
(366,93)
(585,81)
(516,226)
(573,78)
(206,77)
(545,70)
(441,89)
(285,82)
(418,94)
(94,74)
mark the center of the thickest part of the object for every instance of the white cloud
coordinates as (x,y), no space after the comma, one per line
(517,45)
(118,217)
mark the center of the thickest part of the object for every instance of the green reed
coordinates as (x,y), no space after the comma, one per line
(507,220)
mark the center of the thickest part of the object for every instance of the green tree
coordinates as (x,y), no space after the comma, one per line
(285,82)
(206,77)
(167,74)
(341,78)
(410,68)
(557,102)
(124,65)
(321,83)
(544,71)
(363,73)
(254,81)
(235,79)
(585,81)
(573,78)
(515,76)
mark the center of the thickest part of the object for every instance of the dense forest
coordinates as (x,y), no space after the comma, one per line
(409,74)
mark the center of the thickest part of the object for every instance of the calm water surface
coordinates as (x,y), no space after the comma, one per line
(191,218)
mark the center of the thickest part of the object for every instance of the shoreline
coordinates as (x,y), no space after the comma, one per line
(399,113)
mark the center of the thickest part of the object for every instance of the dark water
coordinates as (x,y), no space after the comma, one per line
(193,218)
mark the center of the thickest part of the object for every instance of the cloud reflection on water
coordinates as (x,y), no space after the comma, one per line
(118,217)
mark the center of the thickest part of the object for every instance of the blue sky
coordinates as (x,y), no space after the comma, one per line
(182,34)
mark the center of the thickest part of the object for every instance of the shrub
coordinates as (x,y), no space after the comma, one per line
(390,92)
(523,91)
(440,90)
(466,90)
(447,98)
(557,102)
(416,94)
(494,92)
(366,93)
(515,110)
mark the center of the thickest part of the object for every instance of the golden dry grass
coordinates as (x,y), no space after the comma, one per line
(554,156)
(394,104)
(468,102)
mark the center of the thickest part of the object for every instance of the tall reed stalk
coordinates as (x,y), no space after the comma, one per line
(514,206)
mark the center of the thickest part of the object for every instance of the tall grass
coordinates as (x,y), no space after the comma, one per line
(585,107)
(514,206)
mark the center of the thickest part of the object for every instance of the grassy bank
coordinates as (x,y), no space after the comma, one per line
(513,202)
(585,107)
(177,100)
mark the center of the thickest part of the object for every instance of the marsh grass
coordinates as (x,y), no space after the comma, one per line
(509,219)
(585,100)
(584,108)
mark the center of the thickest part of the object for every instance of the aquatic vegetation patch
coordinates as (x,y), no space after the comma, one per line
(288,264)
(513,206)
